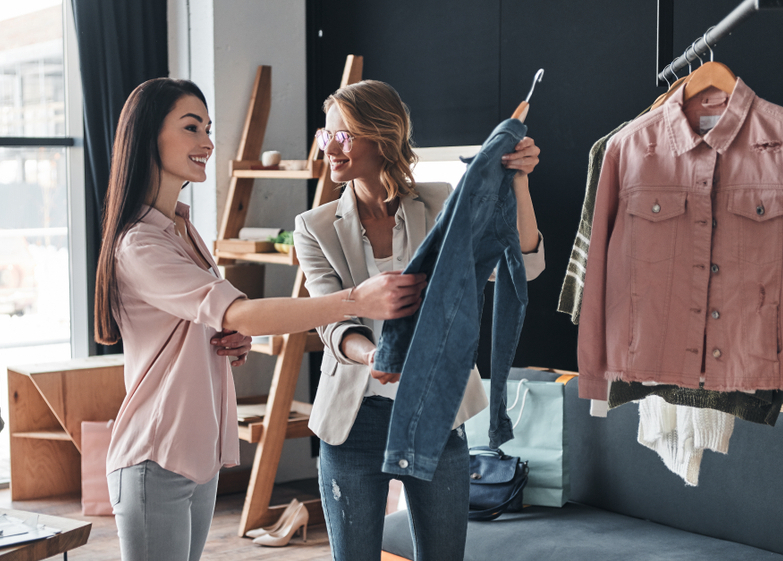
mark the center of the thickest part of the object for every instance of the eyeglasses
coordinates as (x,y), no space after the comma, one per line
(343,138)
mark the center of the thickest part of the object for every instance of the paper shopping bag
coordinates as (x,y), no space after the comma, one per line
(535,406)
(95,488)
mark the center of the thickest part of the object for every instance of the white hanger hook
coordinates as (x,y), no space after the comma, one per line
(706,43)
(665,79)
(693,46)
(537,78)
(685,56)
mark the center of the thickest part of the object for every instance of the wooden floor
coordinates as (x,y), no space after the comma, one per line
(223,543)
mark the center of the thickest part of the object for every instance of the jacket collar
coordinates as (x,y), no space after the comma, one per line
(348,227)
(414,216)
(349,231)
(682,137)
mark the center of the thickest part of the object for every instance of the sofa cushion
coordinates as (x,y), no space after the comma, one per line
(576,532)
(739,496)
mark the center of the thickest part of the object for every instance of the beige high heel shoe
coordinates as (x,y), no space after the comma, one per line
(282,536)
(287,513)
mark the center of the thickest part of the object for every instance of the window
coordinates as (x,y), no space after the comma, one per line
(41,182)
(442,163)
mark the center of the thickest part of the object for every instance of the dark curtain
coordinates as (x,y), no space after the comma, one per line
(122,43)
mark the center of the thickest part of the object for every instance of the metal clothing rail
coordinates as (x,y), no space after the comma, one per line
(704,43)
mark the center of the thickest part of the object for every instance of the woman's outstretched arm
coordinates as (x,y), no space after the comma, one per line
(387,296)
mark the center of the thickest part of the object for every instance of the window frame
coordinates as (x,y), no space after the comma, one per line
(73,141)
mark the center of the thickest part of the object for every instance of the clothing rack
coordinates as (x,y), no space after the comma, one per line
(704,43)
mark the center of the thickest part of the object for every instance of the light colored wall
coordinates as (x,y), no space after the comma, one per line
(219,44)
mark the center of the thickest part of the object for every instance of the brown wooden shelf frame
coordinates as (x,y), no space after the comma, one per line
(276,425)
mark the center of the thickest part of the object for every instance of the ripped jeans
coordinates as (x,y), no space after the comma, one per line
(354,492)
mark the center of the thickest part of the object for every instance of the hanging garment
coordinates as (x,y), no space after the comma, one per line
(685,266)
(435,349)
(762,406)
(680,434)
(570,301)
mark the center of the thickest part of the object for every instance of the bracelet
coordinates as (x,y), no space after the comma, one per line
(349,298)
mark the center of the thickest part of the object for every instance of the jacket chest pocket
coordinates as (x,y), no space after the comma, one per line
(759,224)
(653,224)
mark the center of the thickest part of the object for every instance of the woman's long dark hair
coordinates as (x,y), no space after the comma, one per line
(135,170)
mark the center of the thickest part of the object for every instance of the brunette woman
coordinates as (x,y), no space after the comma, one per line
(159,289)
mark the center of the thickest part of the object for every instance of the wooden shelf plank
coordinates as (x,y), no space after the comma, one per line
(278,258)
(297,420)
(297,428)
(275,345)
(44,435)
(286,170)
(237,245)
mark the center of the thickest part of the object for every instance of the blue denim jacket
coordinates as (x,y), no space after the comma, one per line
(435,348)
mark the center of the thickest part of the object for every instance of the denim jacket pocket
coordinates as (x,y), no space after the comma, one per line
(653,224)
(759,224)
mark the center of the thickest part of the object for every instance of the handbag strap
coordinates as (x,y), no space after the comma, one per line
(486,450)
(492,513)
(524,399)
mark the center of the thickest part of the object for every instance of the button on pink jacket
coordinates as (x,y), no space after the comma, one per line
(180,407)
(685,263)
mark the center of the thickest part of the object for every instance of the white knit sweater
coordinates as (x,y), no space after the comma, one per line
(680,434)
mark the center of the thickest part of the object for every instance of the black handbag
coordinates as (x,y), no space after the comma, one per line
(496,483)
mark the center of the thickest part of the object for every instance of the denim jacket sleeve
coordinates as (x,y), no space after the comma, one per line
(321,279)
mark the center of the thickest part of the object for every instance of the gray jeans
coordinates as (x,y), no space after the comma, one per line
(160,515)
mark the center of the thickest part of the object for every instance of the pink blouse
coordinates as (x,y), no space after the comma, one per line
(180,407)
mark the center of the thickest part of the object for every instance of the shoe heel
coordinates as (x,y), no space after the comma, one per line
(298,522)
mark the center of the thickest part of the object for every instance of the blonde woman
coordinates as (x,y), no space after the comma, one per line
(374,228)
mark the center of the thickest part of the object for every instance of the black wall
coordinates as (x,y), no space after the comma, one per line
(462,66)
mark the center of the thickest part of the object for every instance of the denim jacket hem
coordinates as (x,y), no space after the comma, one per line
(420,468)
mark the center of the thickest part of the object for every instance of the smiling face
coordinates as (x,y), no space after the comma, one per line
(363,163)
(184,144)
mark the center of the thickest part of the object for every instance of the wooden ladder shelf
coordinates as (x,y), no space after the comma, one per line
(284,417)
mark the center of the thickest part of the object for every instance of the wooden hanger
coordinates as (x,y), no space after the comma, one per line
(709,74)
(663,97)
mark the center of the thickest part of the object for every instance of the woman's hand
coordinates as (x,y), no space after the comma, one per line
(382,377)
(231,343)
(524,158)
(389,295)
(385,377)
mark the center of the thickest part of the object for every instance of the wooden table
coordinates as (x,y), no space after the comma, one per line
(73,533)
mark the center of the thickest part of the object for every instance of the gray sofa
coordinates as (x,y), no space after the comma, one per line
(625,505)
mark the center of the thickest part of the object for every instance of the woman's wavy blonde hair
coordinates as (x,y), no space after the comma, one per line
(373,110)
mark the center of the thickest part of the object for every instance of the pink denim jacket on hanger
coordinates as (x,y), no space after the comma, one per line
(685,268)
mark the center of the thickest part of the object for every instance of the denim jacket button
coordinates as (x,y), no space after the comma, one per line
(715,314)
(403,463)
(716,353)
(760,210)
(714,268)
(656,208)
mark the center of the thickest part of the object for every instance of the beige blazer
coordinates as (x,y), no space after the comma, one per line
(330,250)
